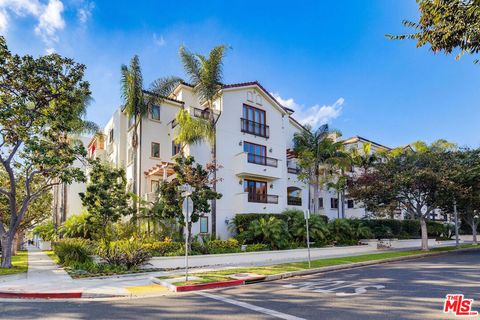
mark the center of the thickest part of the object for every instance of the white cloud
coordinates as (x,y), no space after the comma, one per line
(3,21)
(159,41)
(84,13)
(50,21)
(315,115)
(48,15)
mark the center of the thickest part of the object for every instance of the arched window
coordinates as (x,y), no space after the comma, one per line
(294,196)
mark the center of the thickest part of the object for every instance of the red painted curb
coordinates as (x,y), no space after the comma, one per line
(210,285)
(41,295)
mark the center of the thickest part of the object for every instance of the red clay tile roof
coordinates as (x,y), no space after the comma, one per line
(163,97)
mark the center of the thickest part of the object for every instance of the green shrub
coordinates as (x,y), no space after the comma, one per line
(257,247)
(341,232)
(77,226)
(73,251)
(271,231)
(127,253)
(435,229)
(162,248)
(222,246)
(297,228)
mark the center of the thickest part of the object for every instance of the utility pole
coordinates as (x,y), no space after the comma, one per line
(307,217)
(187,207)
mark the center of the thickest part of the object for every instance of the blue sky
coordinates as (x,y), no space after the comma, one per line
(328,60)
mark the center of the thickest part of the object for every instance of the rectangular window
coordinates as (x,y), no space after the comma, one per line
(320,203)
(175,148)
(155,185)
(155,152)
(203,224)
(350,204)
(256,153)
(110,136)
(334,203)
(254,121)
(155,113)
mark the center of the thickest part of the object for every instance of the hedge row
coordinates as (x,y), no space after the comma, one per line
(381,228)
(241,221)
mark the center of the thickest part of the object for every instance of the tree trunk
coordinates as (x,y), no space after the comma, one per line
(343,203)
(474,233)
(7,242)
(15,244)
(424,233)
(316,195)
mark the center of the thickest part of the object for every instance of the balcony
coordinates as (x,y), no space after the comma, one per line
(262,198)
(294,201)
(255,128)
(199,113)
(251,165)
(293,170)
(261,160)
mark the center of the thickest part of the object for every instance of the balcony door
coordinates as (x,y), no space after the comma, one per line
(256,152)
(257,190)
(255,120)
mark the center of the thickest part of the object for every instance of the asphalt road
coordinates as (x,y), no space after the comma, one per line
(404,290)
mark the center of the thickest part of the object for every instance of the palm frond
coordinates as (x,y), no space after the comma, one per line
(161,88)
(132,89)
(191,65)
(191,130)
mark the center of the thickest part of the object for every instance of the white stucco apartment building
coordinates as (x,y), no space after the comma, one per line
(254,149)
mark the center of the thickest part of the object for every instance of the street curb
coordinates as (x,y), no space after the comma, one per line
(198,287)
(40,295)
(358,264)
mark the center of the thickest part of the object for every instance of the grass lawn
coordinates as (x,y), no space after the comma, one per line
(223,275)
(20,264)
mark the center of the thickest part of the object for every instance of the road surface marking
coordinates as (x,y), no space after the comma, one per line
(245,305)
(333,286)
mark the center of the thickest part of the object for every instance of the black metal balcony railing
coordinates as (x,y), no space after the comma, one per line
(294,201)
(293,170)
(262,198)
(255,128)
(199,113)
(261,160)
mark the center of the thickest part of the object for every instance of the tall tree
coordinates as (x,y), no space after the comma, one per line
(316,155)
(138,103)
(461,186)
(105,198)
(447,25)
(135,108)
(42,101)
(411,180)
(206,75)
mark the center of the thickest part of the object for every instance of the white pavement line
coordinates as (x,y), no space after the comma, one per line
(245,305)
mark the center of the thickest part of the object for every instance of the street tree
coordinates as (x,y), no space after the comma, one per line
(200,178)
(447,26)
(461,186)
(410,181)
(106,198)
(42,101)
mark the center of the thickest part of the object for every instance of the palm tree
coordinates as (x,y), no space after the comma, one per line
(135,107)
(138,103)
(205,74)
(309,151)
